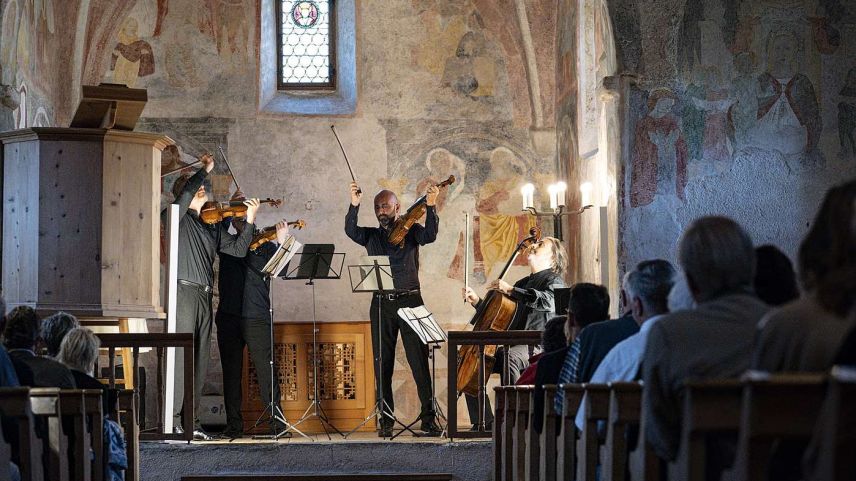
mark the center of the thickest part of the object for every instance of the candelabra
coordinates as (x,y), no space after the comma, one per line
(557,205)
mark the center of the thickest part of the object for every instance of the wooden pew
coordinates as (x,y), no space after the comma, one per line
(79,439)
(45,403)
(93,407)
(510,418)
(521,423)
(548,439)
(5,458)
(711,407)
(567,442)
(499,393)
(776,408)
(625,406)
(127,407)
(644,463)
(834,441)
(15,403)
(596,408)
(533,443)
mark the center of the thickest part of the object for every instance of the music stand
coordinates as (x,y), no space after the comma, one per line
(317,261)
(377,279)
(432,335)
(270,271)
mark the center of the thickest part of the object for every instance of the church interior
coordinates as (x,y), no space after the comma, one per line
(599,240)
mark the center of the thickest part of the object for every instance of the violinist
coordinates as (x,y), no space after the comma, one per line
(198,243)
(243,319)
(404,262)
(535,296)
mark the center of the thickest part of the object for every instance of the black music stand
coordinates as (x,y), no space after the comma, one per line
(317,261)
(377,279)
(273,409)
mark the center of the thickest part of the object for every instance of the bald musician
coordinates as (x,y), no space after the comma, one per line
(404,262)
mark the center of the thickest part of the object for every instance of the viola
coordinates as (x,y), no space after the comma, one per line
(214,212)
(269,233)
(413,214)
(494,313)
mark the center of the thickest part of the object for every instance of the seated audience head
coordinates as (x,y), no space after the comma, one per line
(680,297)
(22,328)
(775,280)
(587,304)
(827,256)
(54,329)
(717,257)
(554,338)
(79,350)
(648,287)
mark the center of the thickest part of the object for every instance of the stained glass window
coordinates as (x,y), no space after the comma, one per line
(306,44)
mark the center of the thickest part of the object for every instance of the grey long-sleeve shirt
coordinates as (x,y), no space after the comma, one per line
(199,242)
(404,261)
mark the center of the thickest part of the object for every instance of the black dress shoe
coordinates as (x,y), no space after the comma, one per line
(384,432)
(430,429)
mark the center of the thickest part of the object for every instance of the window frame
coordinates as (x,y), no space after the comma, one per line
(331,50)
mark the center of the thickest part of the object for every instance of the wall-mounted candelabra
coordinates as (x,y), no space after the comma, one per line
(557,193)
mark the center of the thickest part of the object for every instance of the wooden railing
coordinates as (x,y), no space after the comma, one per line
(158,342)
(480,339)
(762,412)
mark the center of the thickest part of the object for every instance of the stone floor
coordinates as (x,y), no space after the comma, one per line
(362,453)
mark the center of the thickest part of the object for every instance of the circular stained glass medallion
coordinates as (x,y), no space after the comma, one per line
(305,14)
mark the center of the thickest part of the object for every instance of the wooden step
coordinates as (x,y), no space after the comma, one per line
(323,477)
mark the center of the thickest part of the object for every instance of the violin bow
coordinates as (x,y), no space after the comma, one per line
(223,154)
(179,169)
(350,169)
(466,251)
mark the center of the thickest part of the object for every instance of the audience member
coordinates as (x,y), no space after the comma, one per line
(54,329)
(714,340)
(78,352)
(680,297)
(553,339)
(806,334)
(8,377)
(775,280)
(587,304)
(21,334)
(647,289)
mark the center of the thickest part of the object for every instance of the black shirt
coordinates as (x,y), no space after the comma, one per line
(597,339)
(404,261)
(244,291)
(535,296)
(199,242)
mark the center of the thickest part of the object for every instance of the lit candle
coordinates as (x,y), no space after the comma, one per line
(585,190)
(553,190)
(528,193)
(561,189)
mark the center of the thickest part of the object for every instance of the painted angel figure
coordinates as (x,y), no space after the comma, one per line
(305,14)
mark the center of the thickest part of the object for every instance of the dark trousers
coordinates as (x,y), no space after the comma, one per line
(233,333)
(517,360)
(414,349)
(193,314)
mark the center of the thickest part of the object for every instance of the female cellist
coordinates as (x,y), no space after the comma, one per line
(534,295)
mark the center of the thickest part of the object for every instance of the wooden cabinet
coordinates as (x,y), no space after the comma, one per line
(81,221)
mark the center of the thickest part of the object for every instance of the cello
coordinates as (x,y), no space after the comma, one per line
(494,313)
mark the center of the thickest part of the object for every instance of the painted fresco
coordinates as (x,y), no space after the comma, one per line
(749,84)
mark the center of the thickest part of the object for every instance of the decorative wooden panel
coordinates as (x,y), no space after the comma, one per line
(346,374)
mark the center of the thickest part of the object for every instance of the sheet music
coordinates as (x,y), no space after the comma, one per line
(369,276)
(422,322)
(282,256)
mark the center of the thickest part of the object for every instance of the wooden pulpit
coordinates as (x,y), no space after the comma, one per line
(81,221)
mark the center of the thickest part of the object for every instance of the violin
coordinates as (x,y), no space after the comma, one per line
(269,233)
(214,212)
(495,313)
(413,214)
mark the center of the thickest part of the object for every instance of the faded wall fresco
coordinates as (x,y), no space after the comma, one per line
(749,112)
